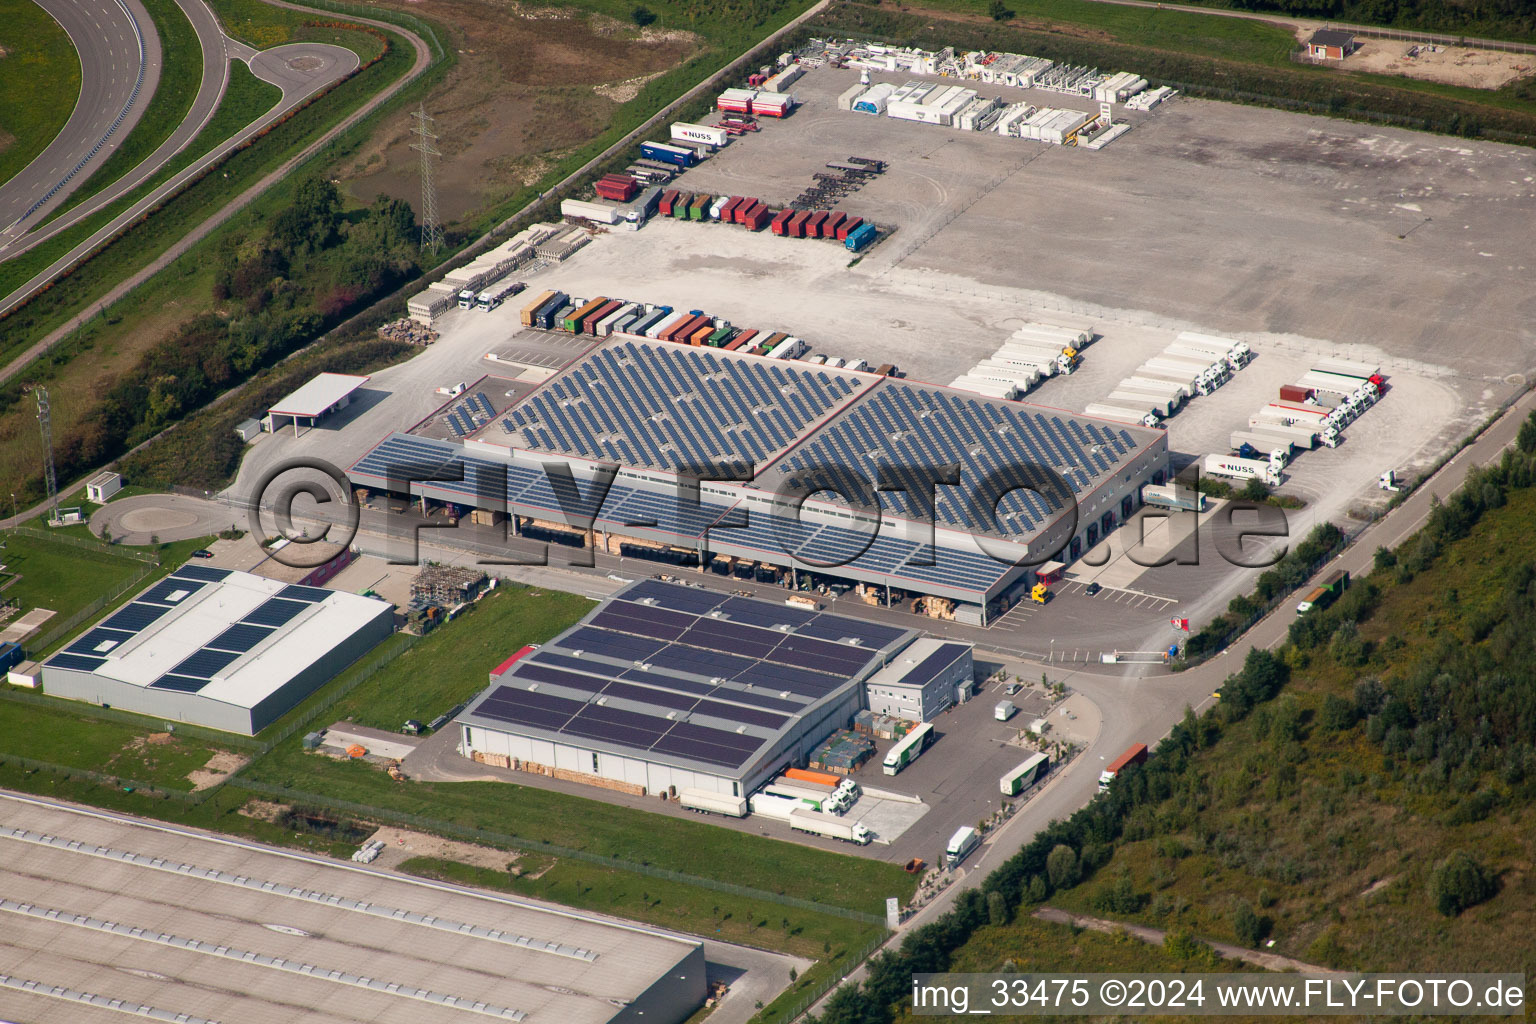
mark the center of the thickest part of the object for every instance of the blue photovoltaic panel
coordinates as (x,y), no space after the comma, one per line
(99,641)
(204,664)
(698,662)
(669,681)
(166,591)
(525,673)
(610,618)
(937,661)
(648,695)
(746,716)
(609,644)
(833,627)
(240,637)
(776,678)
(692,600)
(135,616)
(759,698)
(299,593)
(206,573)
(274,612)
(184,684)
(760,613)
(717,637)
(544,710)
(75,661)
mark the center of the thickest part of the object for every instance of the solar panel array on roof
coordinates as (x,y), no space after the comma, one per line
(902,425)
(937,661)
(685,672)
(90,651)
(674,408)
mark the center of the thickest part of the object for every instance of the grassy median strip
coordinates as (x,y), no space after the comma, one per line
(181,72)
(39,82)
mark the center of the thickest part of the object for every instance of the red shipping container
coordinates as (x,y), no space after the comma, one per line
(797,224)
(589,325)
(813,226)
(829,229)
(780,223)
(1294,393)
(758,218)
(748,204)
(728,211)
(847,226)
(686,328)
(667,199)
(742,340)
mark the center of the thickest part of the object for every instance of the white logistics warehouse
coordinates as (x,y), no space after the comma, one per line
(214,647)
(668,687)
(920,683)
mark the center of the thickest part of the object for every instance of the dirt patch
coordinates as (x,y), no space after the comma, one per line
(263,810)
(401,844)
(1449,65)
(218,768)
(520,98)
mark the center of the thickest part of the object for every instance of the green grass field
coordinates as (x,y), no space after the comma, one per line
(657,901)
(77,739)
(452,663)
(181,71)
(59,576)
(39,81)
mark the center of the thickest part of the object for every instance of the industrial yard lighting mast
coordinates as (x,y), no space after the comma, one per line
(431,227)
(44,421)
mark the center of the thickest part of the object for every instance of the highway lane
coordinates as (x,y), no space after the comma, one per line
(210,92)
(117,43)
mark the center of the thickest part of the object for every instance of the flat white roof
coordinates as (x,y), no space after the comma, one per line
(190,614)
(315,397)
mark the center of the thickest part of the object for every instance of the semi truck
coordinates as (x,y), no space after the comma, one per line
(1024,775)
(1137,754)
(1123,413)
(1325,593)
(833,828)
(1234,467)
(776,807)
(908,748)
(960,845)
(1169,496)
(810,797)
(662,152)
(705,802)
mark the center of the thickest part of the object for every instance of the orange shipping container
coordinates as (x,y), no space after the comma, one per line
(698,337)
(806,775)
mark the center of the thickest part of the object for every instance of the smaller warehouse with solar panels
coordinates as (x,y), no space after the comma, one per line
(214,647)
(666,686)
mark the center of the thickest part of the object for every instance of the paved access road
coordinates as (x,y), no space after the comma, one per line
(1144,710)
(119,68)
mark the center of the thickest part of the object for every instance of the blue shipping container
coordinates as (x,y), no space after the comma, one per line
(861,237)
(675,155)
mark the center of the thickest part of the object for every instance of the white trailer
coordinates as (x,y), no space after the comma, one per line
(1159,384)
(665,323)
(1347,367)
(811,797)
(990,388)
(1039,365)
(1217,347)
(1333,383)
(789,348)
(1296,436)
(1185,381)
(581,210)
(1024,375)
(1193,365)
(608,324)
(1233,468)
(770,806)
(1170,395)
(706,802)
(682,131)
(1068,337)
(1162,405)
(1122,414)
(830,826)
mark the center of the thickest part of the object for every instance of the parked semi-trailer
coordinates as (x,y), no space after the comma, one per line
(1170,496)
(908,748)
(742,340)
(960,846)
(861,237)
(603,312)
(1163,405)
(770,806)
(664,324)
(534,306)
(1235,468)
(789,348)
(1024,775)
(809,797)
(1122,413)
(545,316)
(1325,593)
(705,802)
(668,154)
(832,827)
(577,317)
(1137,754)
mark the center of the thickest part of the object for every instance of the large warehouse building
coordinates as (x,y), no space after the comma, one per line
(215,647)
(804,468)
(667,686)
(242,934)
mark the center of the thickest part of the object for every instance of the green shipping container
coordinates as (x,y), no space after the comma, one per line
(719,337)
(699,208)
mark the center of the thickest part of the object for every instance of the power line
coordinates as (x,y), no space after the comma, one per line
(45,422)
(431,225)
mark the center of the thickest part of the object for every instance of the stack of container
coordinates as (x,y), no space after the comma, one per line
(620,188)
